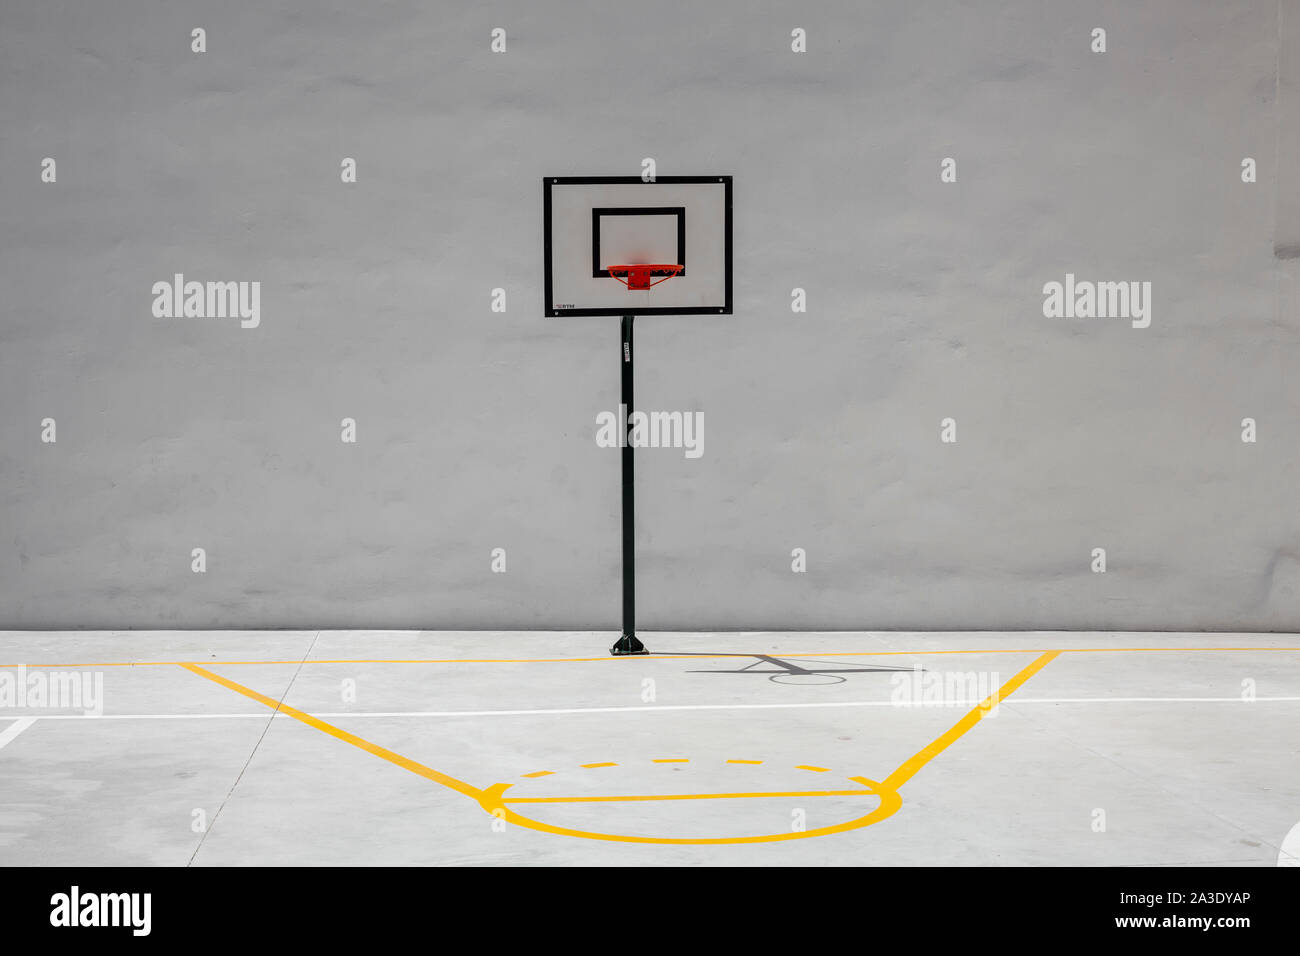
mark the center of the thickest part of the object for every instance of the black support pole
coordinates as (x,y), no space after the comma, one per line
(628,643)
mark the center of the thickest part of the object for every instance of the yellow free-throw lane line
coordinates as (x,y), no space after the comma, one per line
(912,764)
(492,799)
(460,786)
(694,796)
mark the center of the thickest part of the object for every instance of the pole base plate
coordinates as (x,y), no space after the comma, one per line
(628,644)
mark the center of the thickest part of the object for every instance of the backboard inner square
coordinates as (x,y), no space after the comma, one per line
(632,237)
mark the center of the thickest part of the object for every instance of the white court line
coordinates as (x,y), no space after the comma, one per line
(1011,702)
(1144,700)
(14,729)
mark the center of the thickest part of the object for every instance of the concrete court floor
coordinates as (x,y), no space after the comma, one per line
(1121,749)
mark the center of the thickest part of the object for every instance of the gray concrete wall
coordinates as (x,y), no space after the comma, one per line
(476,429)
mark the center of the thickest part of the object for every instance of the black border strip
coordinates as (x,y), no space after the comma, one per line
(549,181)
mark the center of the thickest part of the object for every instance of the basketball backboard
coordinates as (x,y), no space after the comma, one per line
(593,223)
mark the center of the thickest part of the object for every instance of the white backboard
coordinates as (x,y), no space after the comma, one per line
(595,222)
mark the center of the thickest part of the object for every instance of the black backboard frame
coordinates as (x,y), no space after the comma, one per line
(631,308)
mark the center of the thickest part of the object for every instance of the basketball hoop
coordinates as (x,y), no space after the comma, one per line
(637,276)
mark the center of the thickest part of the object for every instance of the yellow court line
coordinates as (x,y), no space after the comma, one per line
(349,660)
(745,761)
(460,786)
(694,796)
(666,657)
(908,769)
(672,760)
(593,766)
(492,799)
(813,769)
(539,773)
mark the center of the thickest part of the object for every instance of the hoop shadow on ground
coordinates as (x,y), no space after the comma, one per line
(793,670)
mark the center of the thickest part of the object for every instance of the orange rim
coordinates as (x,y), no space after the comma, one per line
(648,268)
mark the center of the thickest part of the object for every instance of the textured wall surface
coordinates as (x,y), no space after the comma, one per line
(822,429)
